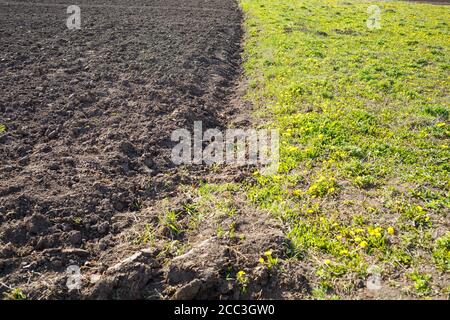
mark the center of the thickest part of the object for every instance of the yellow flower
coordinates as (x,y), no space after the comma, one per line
(261,260)
(268,253)
(327,261)
(391,230)
(292,148)
(358,239)
(441,124)
(363,244)
(376,232)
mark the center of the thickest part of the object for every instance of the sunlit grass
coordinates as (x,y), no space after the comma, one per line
(364,122)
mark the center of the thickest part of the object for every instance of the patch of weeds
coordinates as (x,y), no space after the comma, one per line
(147,236)
(365,182)
(441,252)
(195,215)
(320,292)
(268,260)
(220,232)
(400,256)
(323,186)
(135,205)
(331,269)
(229,233)
(170,221)
(227,207)
(421,283)
(15,294)
(323,290)
(437,111)
(417,215)
(232,230)
(172,248)
(77,220)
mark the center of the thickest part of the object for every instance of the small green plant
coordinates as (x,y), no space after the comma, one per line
(220,233)
(437,111)
(77,220)
(323,186)
(441,252)
(195,215)
(170,220)
(15,294)
(268,260)
(2,128)
(400,256)
(418,216)
(242,280)
(232,230)
(147,235)
(321,291)
(172,248)
(229,274)
(136,205)
(365,182)
(421,283)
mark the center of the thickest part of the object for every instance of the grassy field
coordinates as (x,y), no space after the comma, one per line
(363,115)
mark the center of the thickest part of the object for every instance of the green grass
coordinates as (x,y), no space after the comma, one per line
(15,294)
(364,124)
(421,283)
(441,252)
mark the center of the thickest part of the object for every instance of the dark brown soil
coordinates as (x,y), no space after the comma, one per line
(89,114)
